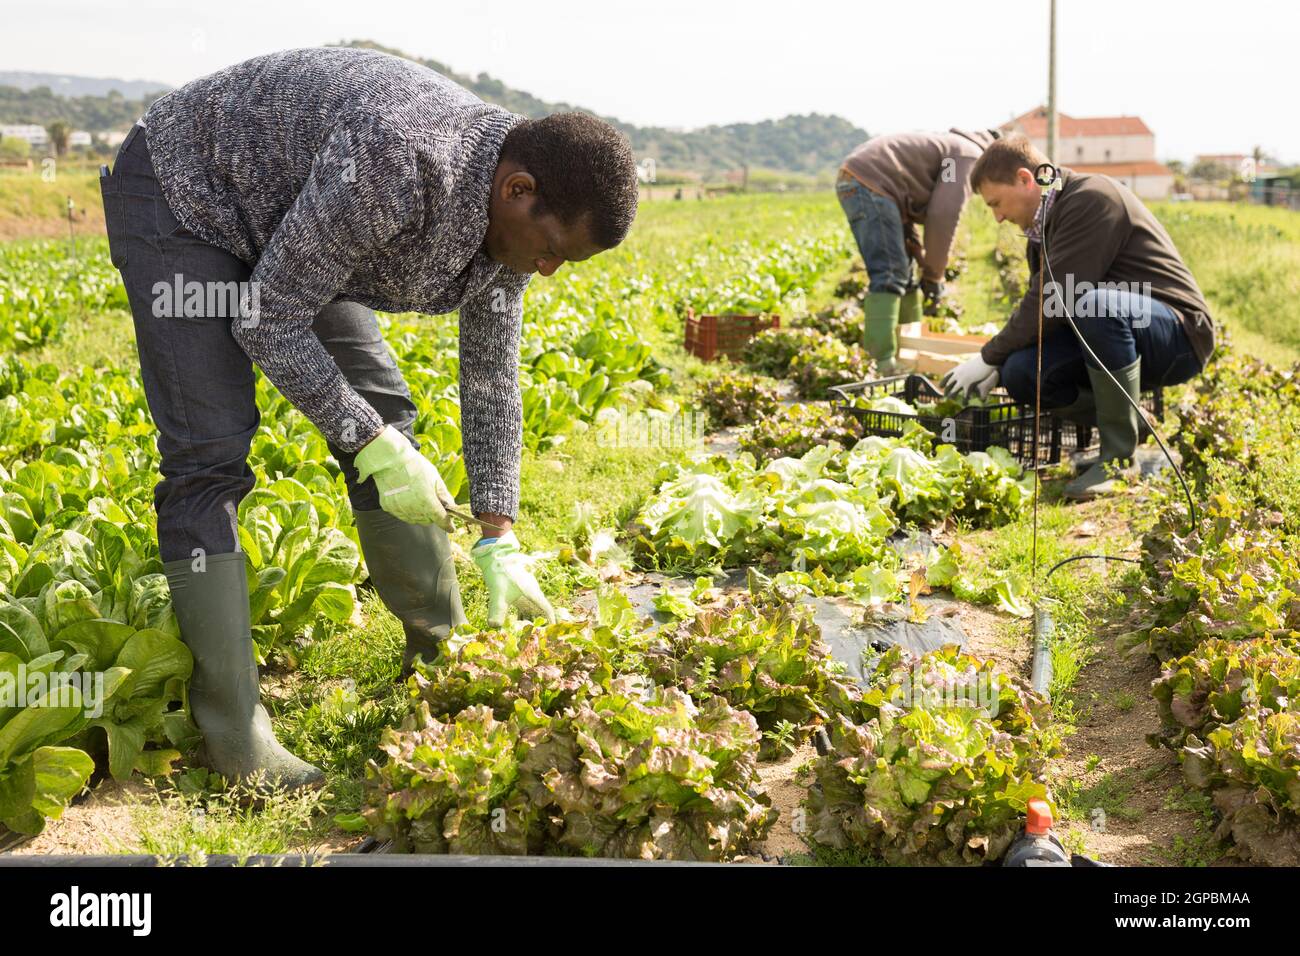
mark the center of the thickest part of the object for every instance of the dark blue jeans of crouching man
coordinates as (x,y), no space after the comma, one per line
(198,381)
(877,228)
(1120,326)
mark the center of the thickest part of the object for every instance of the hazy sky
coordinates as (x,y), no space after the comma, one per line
(1206,77)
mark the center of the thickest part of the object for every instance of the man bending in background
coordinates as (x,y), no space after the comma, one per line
(887,186)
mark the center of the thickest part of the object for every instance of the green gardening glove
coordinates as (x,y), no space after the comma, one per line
(509,582)
(410,488)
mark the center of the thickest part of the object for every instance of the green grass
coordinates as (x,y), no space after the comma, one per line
(172,823)
(104,339)
(1110,794)
(1078,595)
(980,289)
(820,855)
(31,206)
(1246,259)
(1198,847)
(1124,701)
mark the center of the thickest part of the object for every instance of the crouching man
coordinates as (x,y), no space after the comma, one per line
(1111,264)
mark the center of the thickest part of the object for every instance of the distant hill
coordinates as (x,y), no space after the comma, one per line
(96,112)
(63,84)
(809,145)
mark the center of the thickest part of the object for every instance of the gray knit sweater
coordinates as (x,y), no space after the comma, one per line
(351,174)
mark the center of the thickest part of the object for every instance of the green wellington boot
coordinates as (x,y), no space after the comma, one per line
(413,571)
(1117,421)
(224,695)
(909,309)
(880,328)
(1083,412)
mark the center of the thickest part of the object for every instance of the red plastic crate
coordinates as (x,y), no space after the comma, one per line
(711,336)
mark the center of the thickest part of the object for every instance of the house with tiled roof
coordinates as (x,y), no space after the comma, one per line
(1243,165)
(1122,147)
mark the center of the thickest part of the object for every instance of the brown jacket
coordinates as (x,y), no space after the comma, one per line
(1098,231)
(910,169)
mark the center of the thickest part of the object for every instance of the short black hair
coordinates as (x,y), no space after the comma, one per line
(583,167)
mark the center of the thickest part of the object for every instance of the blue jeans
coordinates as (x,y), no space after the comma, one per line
(878,230)
(1120,327)
(199,382)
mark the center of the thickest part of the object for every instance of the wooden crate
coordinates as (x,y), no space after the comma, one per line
(934,353)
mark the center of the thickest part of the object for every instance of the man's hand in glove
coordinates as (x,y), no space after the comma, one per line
(410,487)
(508,580)
(972,376)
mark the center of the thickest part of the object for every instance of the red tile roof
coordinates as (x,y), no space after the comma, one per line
(1034,125)
(1122,170)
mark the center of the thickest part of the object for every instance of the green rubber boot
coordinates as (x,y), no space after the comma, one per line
(910,307)
(1083,412)
(211,607)
(1117,421)
(413,571)
(880,328)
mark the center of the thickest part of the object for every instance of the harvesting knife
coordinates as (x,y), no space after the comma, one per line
(470,519)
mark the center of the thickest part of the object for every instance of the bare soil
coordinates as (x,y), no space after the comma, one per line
(780,780)
(1154,824)
(97,824)
(993,635)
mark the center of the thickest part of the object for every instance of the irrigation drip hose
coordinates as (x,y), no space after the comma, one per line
(1041,676)
(1087,557)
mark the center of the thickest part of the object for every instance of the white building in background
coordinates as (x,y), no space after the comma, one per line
(1121,147)
(36,136)
(33,134)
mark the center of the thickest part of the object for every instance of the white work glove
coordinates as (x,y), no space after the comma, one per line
(509,581)
(410,487)
(973,376)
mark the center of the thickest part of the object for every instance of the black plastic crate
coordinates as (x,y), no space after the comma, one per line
(1007,424)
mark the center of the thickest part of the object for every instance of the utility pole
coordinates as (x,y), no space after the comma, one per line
(1053,130)
(72,236)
